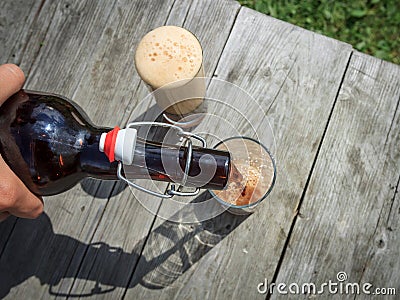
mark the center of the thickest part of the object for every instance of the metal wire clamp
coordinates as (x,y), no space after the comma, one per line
(172,191)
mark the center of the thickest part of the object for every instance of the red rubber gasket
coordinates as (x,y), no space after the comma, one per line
(109,144)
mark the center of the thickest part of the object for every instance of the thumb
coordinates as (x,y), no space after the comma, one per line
(11,80)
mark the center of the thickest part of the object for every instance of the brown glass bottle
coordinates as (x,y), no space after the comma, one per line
(50,144)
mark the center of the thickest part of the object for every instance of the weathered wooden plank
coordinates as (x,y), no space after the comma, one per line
(348,220)
(87,56)
(15,18)
(115,226)
(18,19)
(18,239)
(211,22)
(293,74)
(384,252)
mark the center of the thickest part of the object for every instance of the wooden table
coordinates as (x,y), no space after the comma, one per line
(335,115)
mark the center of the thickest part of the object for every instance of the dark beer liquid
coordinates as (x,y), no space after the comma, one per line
(167,163)
(50,144)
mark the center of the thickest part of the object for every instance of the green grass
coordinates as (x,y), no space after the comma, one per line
(370,26)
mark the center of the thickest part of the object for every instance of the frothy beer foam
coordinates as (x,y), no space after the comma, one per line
(168,54)
(256,175)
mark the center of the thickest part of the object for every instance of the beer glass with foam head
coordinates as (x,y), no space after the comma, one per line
(169,59)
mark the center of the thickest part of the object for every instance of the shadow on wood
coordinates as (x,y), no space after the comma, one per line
(172,248)
(109,188)
(105,266)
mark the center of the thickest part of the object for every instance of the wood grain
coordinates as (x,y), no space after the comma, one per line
(384,248)
(348,220)
(15,18)
(294,75)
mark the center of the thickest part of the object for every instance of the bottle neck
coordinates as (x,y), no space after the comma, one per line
(93,162)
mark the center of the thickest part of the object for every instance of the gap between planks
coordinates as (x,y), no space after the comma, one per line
(391,124)
(286,245)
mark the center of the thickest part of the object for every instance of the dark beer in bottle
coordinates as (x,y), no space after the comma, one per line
(50,144)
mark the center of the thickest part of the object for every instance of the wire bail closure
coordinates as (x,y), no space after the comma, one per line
(169,193)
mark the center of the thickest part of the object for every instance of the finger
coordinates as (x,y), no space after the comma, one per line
(4,215)
(11,80)
(15,196)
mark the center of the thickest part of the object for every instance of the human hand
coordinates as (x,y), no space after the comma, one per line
(15,198)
